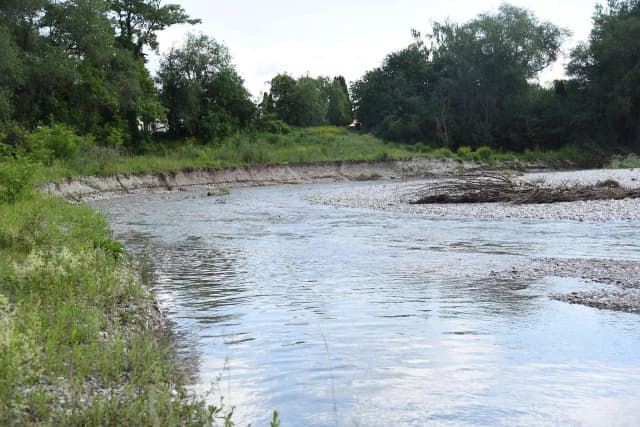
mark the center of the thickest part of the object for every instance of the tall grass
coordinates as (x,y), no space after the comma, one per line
(302,145)
(78,341)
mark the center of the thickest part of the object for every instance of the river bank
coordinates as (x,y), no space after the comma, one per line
(81,339)
(88,188)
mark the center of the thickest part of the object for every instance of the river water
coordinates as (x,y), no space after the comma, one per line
(347,317)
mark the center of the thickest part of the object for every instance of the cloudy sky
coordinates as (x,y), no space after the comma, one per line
(334,37)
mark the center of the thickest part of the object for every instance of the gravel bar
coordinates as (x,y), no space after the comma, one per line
(395,197)
(619,280)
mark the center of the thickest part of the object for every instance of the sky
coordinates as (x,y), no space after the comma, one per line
(346,38)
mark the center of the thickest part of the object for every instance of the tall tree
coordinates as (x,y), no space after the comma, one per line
(203,93)
(465,84)
(607,71)
(339,108)
(139,21)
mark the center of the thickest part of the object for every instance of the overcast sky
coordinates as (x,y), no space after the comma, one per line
(334,37)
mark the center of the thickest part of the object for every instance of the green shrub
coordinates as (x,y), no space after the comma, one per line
(485,154)
(15,177)
(630,161)
(465,152)
(587,155)
(421,147)
(48,143)
(115,137)
(442,152)
(110,247)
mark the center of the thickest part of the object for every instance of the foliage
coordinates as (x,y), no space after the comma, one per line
(204,95)
(48,143)
(464,84)
(308,101)
(139,21)
(77,345)
(630,161)
(15,178)
(80,62)
(607,75)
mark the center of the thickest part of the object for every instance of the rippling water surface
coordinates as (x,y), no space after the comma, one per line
(340,317)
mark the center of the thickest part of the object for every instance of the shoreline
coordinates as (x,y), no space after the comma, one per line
(397,197)
(87,188)
(616,282)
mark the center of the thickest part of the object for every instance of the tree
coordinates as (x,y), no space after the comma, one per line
(607,72)
(484,68)
(201,90)
(392,101)
(139,21)
(463,84)
(339,108)
(10,73)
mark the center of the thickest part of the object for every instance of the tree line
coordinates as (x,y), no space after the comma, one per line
(82,63)
(474,84)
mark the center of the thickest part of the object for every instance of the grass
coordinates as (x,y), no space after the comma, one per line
(302,145)
(630,161)
(78,345)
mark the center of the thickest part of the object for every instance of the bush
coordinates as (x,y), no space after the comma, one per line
(109,246)
(485,154)
(587,155)
(421,147)
(15,177)
(443,152)
(49,143)
(465,152)
(630,161)
(271,124)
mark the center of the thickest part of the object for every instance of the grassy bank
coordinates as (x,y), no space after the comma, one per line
(79,337)
(320,144)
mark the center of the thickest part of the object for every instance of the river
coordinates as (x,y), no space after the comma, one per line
(349,317)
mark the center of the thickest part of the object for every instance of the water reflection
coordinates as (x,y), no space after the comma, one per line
(353,317)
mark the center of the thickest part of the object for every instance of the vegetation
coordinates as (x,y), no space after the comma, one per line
(79,66)
(298,145)
(79,343)
(307,101)
(204,95)
(473,84)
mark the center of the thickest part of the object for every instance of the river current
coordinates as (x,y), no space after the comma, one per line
(349,317)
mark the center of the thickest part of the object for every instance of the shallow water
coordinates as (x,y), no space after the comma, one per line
(363,318)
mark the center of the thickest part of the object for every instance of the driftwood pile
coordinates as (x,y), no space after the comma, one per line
(494,188)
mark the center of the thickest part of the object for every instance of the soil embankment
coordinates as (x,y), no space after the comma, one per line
(95,187)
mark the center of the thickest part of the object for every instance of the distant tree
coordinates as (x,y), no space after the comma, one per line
(393,100)
(465,84)
(484,68)
(339,107)
(11,73)
(201,90)
(284,99)
(308,101)
(607,72)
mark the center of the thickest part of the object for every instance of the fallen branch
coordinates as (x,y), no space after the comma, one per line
(497,188)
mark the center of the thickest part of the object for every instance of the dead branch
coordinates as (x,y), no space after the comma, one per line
(496,188)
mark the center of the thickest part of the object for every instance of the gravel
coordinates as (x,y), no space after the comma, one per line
(617,282)
(395,197)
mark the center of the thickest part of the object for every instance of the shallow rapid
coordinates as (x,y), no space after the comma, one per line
(355,317)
